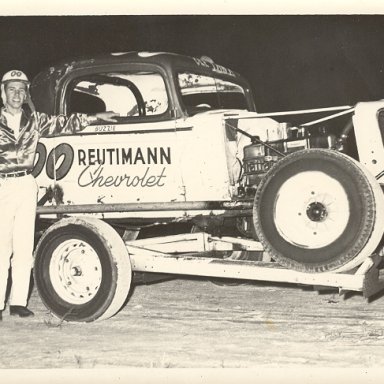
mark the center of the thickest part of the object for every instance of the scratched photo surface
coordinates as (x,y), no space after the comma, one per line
(290,62)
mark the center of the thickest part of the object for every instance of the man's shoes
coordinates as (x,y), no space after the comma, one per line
(18,310)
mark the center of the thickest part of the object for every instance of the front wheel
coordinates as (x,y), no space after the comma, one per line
(319,210)
(82,269)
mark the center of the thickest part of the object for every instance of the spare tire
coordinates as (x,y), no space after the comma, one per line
(319,210)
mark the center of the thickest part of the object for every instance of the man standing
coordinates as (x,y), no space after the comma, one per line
(19,134)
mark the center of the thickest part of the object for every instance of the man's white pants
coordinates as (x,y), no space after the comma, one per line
(18,198)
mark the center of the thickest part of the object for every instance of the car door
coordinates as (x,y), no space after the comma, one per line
(132,159)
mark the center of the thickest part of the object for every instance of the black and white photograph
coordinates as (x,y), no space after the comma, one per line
(192,195)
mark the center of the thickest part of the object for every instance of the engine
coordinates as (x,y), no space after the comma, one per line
(260,156)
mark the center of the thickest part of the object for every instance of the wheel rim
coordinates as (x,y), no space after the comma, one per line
(311,210)
(75,271)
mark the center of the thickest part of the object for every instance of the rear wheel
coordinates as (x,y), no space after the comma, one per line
(82,269)
(319,210)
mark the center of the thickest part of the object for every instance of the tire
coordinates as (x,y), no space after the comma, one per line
(82,269)
(319,210)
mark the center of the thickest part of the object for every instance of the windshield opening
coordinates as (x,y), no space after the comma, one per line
(200,93)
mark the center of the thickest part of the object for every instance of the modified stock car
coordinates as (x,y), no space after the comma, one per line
(189,151)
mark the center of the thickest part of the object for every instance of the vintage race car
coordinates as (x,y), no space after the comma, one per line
(188,147)
(168,144)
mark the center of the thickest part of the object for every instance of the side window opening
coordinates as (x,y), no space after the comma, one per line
(81,102)
(131,95)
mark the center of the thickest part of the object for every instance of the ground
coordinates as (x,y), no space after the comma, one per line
(193,323)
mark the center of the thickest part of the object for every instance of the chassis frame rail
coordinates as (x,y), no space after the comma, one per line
(187,255)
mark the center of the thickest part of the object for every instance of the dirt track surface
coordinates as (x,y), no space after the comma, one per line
(196,324)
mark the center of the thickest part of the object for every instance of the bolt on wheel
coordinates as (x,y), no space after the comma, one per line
(313,215)
(75,271)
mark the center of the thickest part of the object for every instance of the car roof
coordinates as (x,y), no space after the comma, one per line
(44,85)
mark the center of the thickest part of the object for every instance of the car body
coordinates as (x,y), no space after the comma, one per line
(188,147)
(171,142)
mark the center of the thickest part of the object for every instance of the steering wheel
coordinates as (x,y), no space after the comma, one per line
(203,105)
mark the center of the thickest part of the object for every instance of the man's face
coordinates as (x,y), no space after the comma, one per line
(16,93)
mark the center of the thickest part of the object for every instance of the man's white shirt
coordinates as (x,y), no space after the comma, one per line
(13,122)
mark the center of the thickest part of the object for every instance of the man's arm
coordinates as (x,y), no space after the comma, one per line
(61,124)
(108,117)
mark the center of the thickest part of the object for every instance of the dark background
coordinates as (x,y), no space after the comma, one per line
(292,62)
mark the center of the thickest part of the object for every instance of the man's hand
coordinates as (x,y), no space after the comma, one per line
(108,116)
